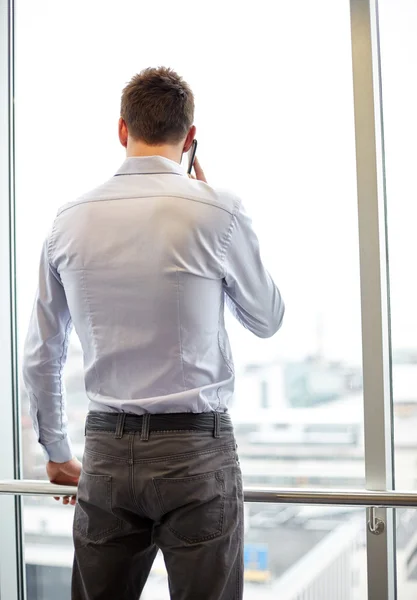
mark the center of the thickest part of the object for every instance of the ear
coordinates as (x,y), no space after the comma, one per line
(189,139)
(123,133)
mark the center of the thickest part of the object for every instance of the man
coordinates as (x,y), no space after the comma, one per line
(142,266)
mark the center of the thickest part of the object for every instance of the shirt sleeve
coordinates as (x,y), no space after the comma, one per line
(251,294)
(45,353)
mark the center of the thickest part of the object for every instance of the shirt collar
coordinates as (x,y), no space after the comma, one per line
(150,165)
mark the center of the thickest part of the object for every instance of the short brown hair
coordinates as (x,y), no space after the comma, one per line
(157,106)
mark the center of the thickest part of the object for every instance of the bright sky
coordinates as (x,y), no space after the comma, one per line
(273,89)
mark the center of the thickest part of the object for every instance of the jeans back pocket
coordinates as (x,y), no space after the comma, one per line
(192,507)
(93,517)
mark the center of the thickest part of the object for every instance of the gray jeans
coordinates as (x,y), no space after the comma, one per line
(175,486)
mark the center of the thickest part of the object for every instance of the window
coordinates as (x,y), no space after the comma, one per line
(263,75)
(399,93)
(272,126)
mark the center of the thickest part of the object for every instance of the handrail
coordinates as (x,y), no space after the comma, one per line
(364,498)
(34,487)
(385,499)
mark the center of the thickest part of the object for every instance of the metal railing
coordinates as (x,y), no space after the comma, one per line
(365,498)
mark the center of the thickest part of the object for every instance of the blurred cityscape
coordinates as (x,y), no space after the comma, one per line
(298,424)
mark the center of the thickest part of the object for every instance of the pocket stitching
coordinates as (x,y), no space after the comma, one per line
(84,530)
(218,475)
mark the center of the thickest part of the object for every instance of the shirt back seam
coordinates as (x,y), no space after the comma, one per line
(192,199)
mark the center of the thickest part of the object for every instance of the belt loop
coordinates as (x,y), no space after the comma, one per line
(120,426)
(217,425)
(144,436)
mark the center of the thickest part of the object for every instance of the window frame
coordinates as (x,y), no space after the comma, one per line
(374,284)
(12,570)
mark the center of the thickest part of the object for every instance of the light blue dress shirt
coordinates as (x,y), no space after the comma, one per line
(142,266)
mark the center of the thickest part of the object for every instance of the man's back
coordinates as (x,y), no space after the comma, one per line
(142,266)
(143,260)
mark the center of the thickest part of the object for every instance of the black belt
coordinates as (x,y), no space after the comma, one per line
(125,422)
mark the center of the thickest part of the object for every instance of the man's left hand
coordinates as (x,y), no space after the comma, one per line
(67,473)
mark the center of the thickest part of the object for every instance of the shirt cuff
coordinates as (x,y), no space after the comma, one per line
(59,452)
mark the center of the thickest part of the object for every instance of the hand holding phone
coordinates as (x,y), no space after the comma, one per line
(199,173)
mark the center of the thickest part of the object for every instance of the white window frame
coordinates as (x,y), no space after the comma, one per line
(376,330)
(12,577)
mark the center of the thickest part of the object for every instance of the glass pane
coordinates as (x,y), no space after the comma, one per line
(324,557)
(325,553)
(406,554)
(398,22)
(275,124)
(399,55)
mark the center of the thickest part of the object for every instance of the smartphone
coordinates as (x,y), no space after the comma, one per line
(191,156)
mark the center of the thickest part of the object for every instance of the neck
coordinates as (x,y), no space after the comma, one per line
(137,148)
